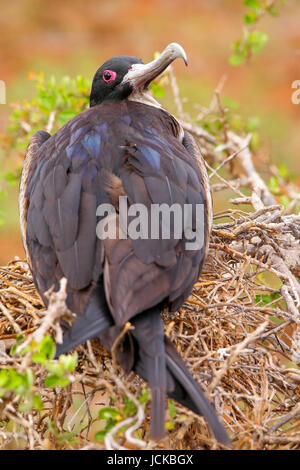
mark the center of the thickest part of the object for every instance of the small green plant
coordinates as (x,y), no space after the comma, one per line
(252,41)
(277,185)
(173,414)
(112,416)
(54,103)
(265,299)
(21,385)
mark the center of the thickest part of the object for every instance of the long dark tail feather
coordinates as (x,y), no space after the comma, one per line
(186,391)
(149,334)
(87,325)
(182,387)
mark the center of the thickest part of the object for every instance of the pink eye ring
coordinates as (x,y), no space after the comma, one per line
(109,75)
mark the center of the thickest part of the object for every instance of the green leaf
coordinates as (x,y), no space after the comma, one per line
(39,358)
(229,103)
(276,320)
(29,377)
(109,413)
(255,4)
(251,17)
(285,201)
(252,124)
(283,171)
(55,368)
(172,409)
(38,405)
(15,380)
(273,185)
(255,141)
(3,377)
(157,90)
(81,83)
(46,102)
(145,396)
(129,407)
(100,436)
(241,404)
(265,299)
(56,381)
(237,58)
(257,41)
(272,10)
(13,349)
(67,437)
(10,177)
(69,362)
(47,347)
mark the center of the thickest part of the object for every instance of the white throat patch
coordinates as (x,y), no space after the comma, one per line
(147,98)
(144,97)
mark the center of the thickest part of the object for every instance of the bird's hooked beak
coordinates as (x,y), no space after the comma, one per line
(141,75)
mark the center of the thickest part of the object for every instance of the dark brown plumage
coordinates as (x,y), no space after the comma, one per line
(118,147)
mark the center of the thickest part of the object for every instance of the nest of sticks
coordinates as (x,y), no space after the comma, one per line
(242,350)
(239,333)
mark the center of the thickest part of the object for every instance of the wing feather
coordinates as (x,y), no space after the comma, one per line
(110,150)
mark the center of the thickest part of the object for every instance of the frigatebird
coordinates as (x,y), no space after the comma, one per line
(124,145)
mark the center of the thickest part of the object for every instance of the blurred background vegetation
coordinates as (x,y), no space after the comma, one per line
(73,38)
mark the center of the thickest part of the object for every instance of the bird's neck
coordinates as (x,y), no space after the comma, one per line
(144,97)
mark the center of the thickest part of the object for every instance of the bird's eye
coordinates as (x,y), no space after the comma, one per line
(109,75)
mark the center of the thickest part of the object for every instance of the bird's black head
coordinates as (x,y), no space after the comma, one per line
(107,83)
(120,76)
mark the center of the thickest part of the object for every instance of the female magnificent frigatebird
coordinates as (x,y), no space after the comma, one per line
(124,145)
